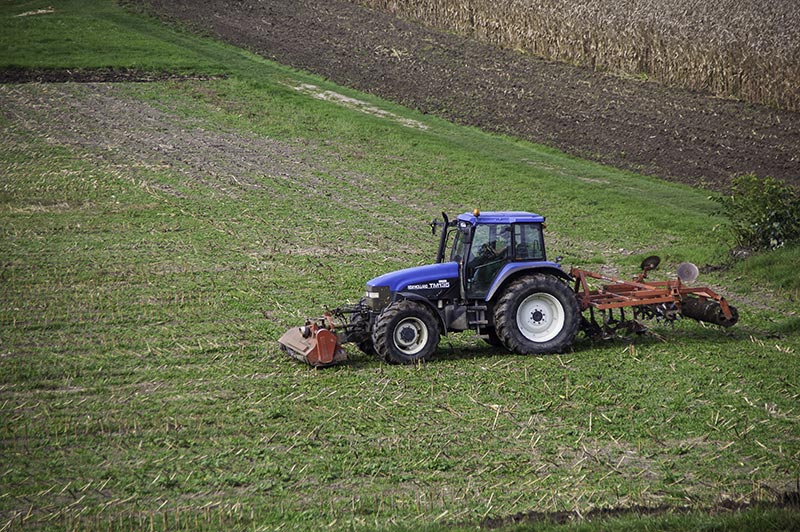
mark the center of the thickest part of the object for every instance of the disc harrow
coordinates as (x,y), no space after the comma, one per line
(621,304)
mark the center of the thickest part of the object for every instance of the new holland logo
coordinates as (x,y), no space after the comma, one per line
(437,285)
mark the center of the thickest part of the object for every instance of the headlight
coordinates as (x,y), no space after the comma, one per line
(378,297)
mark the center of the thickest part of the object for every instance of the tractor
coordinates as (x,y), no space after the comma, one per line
(497,281)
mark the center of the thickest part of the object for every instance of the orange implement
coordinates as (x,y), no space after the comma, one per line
(313,344)
(700,303)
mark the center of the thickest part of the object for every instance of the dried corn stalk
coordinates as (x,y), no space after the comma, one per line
(732,48)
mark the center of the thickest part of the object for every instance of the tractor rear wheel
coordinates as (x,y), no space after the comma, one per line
(537,314)
(405,332)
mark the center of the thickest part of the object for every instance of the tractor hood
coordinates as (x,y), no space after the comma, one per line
(429,277)
(432,283)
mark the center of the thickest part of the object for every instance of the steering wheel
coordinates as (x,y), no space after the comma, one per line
(487,251)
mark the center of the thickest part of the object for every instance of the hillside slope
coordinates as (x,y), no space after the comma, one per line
(677,135)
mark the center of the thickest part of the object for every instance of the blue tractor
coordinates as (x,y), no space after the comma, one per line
(495,280)
(498,282)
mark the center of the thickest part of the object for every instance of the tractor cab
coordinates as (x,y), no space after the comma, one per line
(485,243)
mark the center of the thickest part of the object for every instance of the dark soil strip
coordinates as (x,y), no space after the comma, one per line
(626,123)
(90,75)
(790,500)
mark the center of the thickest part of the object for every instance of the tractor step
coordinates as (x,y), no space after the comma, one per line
(478,313)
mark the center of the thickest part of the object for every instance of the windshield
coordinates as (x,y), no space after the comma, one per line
(527,239)
(457,253)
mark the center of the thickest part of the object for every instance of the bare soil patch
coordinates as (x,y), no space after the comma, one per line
(641,126)
(136,140)
(89,75)
(788,500)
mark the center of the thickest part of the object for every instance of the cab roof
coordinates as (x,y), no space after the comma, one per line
(501,217)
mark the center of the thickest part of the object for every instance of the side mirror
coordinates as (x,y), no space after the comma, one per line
(434,223)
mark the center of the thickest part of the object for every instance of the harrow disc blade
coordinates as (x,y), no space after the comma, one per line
(651,263)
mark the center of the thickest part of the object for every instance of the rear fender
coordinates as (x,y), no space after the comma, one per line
(512,270)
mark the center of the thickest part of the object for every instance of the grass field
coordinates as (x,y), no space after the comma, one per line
(157,238)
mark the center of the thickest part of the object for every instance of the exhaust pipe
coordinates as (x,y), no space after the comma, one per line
(709,311)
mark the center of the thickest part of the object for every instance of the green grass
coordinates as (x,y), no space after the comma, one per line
(775,270)
(80,34)
(141,385)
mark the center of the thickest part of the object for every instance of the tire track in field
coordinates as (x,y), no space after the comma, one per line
(103,121)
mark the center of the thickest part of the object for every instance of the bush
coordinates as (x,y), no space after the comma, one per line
(762,213)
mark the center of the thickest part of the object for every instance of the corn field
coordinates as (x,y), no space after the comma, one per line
(740,49)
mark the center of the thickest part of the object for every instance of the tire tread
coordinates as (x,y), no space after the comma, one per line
(506,309)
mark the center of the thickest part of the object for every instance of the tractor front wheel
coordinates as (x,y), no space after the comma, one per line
(405,332)
(536,315)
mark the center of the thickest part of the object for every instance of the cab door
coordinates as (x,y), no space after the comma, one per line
(489,251)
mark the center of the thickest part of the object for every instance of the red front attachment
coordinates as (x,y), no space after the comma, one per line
(315,343)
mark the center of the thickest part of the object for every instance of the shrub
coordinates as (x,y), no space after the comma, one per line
(762,213)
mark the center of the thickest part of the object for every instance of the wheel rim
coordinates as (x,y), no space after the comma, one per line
(540,317)
(410,336)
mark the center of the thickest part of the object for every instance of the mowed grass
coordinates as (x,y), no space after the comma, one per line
(141,385)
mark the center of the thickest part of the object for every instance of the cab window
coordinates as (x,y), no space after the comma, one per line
(528,244)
